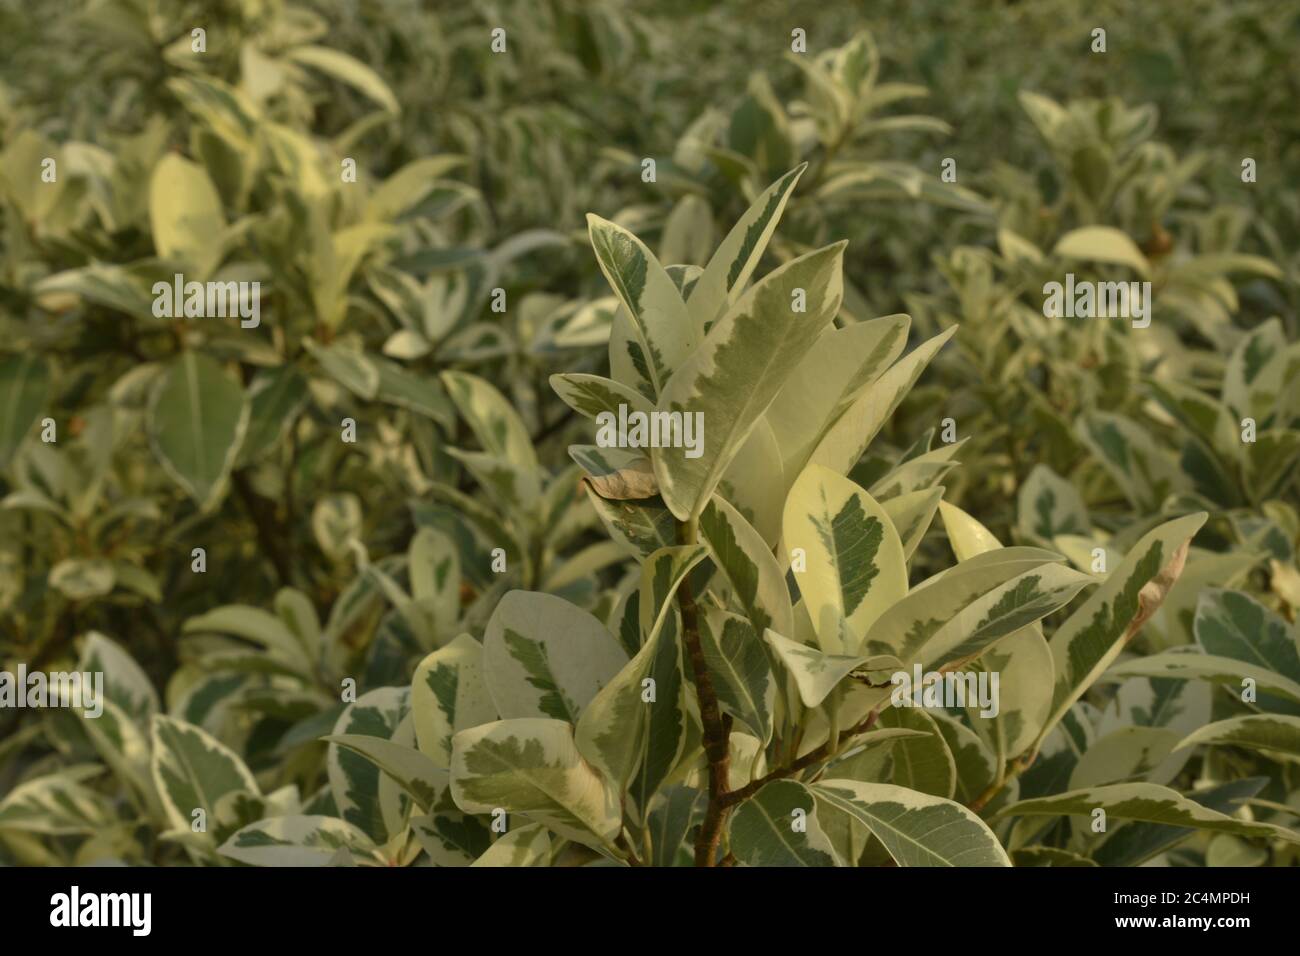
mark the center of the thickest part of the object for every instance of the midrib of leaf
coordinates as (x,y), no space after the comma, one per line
(861,811)
(781,837)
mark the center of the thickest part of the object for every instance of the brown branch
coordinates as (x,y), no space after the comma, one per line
(802,763)
(1014,769)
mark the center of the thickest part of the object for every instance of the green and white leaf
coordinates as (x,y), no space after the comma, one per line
(817,673)
(1049,505)
(778,827)
(125,683)
(1219,670)
(907,624)
(1275,734)
(845,441)
(192,770)
(912,514)
(590,395)
(493,420)
(532,767)
(299,840)
(917,829)
(749,565)
(1003,610)
(525,846)
(56,805)
(1147,802)
(855,563)
(544,657)
(355,780)
(448,695)
(835,372)
(739,368)
(734,261)
(662,326)
(738,663)
(1095,634)
(409,768)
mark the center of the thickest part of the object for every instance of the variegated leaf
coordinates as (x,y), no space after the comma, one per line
(743,679)
(354,780)
(734,261)
(256,625)
(778,827)
(300,841)
(434,571)
(661,574)
(1001,611)
(493,420)
(749,565)
(840,366)
(590,395)
(917,829)
(1209,667)
(976,765)
(1272,733)
(912,514)
(1093,636)
(451,838)
(448,695)
(532,767)
(641,526)
(1049,505)
(1253,380)
(922,472)
(514,488)
(410,769)
(544,657)
(523,846)
(197,418)
(124,682)
(923,762)
(1124,754)
(193,770)
(613,732)
(913,620)
(1233,624)
(56,805)
(672,818)
(754,483)
(1148,802)
(846,440)
(855,563)
(1023,662)
(1142,469)
(740,367)
(663,327)
(817,673)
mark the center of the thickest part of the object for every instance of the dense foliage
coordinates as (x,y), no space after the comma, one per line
(367,583)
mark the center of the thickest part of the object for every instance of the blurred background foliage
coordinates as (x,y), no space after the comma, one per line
(475,171)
